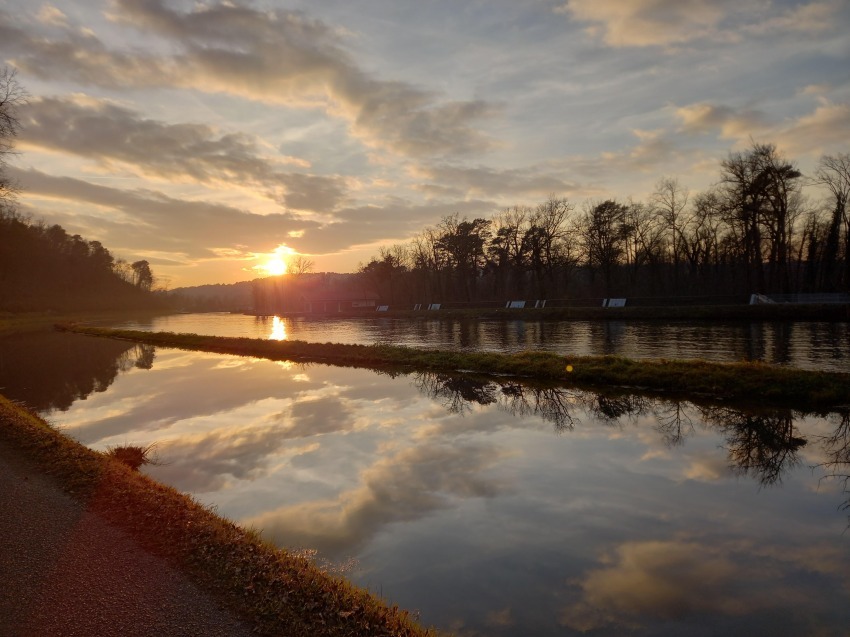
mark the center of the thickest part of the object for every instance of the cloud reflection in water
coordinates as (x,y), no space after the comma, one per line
(502,508)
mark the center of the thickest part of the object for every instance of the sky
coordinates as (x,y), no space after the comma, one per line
(207,136)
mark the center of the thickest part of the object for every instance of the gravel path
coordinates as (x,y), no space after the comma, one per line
(65,571)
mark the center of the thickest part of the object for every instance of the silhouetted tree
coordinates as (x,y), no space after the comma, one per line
(834,173)
(604,230)
(142,275)
(300,265)
(463,242)
(12,97)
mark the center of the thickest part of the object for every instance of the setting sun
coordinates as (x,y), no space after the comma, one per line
(275,266)
(275,263)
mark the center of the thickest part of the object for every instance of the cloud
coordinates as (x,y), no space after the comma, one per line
(732,124)
(119,138)
(207,462)
(321,416)
(275,57)
(653,149)
(139,219)
(406,486)
(821,130)
(809,18)
(48,14)
(707,468)
(648,22)
(145,222)
(677,579)
(531,181)
(666,23)
(824,130)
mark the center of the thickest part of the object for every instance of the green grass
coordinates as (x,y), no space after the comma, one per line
(277,592)
(735,382)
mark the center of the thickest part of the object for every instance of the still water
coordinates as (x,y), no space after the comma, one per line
(809,345)
(490,508)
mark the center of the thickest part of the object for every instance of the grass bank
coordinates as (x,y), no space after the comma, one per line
(737,382)
(278,593)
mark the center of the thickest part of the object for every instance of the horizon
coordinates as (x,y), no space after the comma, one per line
(207,138)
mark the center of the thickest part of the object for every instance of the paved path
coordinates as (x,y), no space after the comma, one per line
(65,571)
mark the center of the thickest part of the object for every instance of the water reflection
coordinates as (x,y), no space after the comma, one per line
(502,508)
(837,458)
(762,444)
(50,370)
(810,345)
(278,332)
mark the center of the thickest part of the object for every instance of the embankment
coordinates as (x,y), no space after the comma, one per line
(751,383)
(275,592)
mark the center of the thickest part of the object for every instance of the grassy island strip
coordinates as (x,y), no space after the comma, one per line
(737,382)
(274,591)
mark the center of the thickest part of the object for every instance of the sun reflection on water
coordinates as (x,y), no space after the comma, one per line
(278,329)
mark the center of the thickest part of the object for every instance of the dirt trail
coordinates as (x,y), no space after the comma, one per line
(65,571)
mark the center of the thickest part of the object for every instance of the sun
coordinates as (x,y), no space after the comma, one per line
(275,263)
(274,266)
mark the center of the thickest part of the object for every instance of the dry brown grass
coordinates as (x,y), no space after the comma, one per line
(277,592)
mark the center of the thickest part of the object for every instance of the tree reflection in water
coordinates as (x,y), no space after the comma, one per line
(458,392)
(837,447)
(49,371)
(762,444)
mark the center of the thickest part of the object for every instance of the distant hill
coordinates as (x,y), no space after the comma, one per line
(268,295)
(232,297)
(44,268)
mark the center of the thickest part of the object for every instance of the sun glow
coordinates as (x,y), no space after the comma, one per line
(275,263)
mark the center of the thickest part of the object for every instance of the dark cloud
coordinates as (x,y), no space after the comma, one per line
(108,134)
(147,221)
(142,219)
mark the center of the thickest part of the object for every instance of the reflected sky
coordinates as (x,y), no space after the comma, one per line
(807,345)
(502,509)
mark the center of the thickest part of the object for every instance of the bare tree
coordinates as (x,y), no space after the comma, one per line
(834,173)
(669,202)
(507,250)
(300,265)
(12,97)
(550,228)
(603,230)
(762,193)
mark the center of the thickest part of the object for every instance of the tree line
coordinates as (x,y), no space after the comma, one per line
(42,267)
(754,231)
